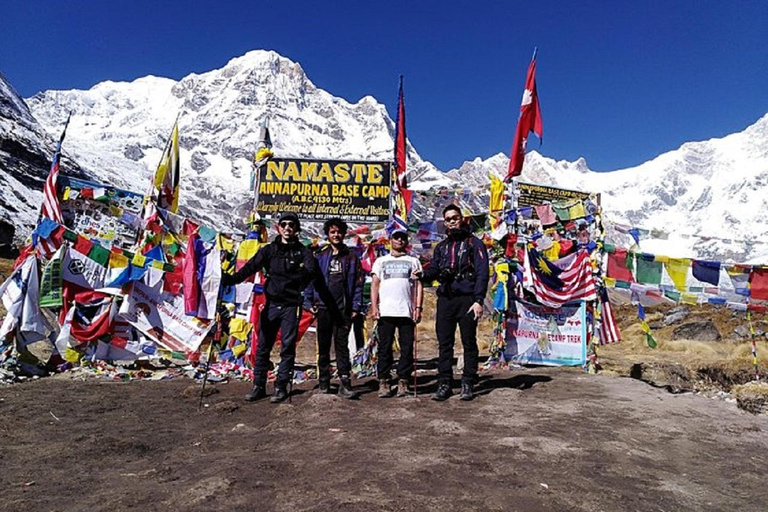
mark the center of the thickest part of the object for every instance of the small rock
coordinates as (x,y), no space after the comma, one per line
(676,315)
(226,406)
(194,391)
(742,331)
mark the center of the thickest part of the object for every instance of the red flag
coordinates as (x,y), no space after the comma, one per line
(51,207)
(529,121)
(401,158)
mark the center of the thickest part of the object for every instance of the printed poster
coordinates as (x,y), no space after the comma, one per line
(160,316)
(547,336)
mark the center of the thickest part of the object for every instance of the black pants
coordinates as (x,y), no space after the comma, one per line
(451,312)
(329,333)
(386,329)
(276,318)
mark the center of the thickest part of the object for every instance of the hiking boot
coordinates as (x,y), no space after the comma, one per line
(467,392)
(325,387)
(345,389)
(385,389)
(281,393)
(257,393)
(402,388)
(443,392)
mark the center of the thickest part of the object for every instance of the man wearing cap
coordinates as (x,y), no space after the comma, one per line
(289,268)
(344,275)
(396,303)
(460,264)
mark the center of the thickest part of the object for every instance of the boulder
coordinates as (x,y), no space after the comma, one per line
(704,330)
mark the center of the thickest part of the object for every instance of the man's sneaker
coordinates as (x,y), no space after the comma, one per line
(385,389)
(402,387)
(257,393)
(467,392)
(281,393)
(325,387)
(345,389)
(443,392)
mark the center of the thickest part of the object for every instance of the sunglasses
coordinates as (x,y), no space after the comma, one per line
(288,224)
(453,218)
(400,237)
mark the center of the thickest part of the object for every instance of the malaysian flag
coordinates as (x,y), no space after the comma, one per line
(609,331)
(51,207)
(564,280)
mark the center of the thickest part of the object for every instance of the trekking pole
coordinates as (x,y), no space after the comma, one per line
(415,359)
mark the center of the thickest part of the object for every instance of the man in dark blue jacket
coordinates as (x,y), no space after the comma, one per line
(342,272)
(290,268)
(460,264)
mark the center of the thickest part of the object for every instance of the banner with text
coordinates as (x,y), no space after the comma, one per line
(531,194)
(544,335)
(160,316)
(358,191)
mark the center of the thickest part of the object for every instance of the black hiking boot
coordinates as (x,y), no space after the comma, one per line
(325,387)
(443,392)
(467,392)
(257,393)
(345,389)
(281,393)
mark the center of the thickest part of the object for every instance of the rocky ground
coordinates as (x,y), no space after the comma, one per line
(534,439)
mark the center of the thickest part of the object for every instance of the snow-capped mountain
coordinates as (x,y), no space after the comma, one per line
(710,188)
(25,160)
(119,129)
(714,189)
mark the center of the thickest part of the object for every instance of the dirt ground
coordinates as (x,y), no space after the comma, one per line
(534,439)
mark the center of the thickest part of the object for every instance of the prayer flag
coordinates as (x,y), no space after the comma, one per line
(758,283)
(619,265)
(167,176)
(648,270)
(706,271)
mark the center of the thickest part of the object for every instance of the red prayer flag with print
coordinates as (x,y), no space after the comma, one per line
(529,121)
(617,266)
(758,283)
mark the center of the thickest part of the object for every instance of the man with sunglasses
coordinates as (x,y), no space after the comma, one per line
(460,264)
(289,268)
(396,304)
(344,275)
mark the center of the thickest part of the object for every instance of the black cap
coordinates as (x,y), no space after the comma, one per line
(289,216)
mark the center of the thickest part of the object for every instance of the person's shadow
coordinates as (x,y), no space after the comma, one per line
(523,381)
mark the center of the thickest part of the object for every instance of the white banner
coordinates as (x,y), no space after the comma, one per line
(160,316)
(543,335)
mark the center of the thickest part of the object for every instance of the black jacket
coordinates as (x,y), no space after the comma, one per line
(289,269)
(460,263)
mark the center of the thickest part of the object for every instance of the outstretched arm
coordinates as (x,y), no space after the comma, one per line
(254,265)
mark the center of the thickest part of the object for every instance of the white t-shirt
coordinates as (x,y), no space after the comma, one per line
(396,286)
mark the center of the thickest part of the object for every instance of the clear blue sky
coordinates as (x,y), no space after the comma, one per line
(619,82)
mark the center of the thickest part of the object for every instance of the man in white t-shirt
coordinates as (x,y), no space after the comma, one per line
(396,303)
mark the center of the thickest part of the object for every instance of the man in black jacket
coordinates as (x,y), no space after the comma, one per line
(289,268)
(460,264)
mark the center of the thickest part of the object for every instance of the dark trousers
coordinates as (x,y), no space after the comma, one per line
(329,333)
(276,318)
(451,312)
(405,330)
